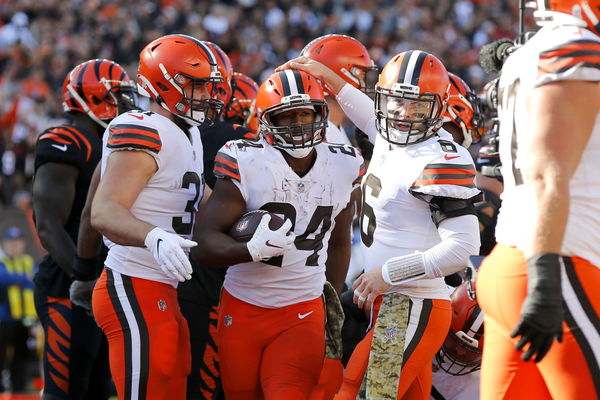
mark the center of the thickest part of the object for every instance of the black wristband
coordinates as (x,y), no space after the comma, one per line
(86,269)
(544,272)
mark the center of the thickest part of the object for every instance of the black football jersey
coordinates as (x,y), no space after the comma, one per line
(66,144)
(213,138)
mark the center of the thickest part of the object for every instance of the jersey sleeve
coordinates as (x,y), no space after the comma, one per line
(576,57)
(126,136)
(453,178)
(64,145)
(226,163)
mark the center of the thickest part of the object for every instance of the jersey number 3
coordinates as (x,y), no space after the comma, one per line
(185,228)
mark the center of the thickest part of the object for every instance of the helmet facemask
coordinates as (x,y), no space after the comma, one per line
(122,95)
(296,139)
(459,355)
(197,111)
(404,116)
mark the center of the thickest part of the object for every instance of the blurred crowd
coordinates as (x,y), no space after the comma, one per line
(40,42)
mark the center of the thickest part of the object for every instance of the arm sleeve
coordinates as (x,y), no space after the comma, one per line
(460,239)
(359,108)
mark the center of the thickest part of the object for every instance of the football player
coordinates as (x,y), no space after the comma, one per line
(145,206)
(418,222)
(199,296)
(463,118)
(271,316)
(75,351)
(543,338)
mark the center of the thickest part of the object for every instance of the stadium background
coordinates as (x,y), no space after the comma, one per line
(41,40)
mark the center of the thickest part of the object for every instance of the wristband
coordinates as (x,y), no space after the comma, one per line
(402,269)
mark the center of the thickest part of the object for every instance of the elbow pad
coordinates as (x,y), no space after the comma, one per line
(447,207)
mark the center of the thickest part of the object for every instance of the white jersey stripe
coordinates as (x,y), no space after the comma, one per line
(135,335)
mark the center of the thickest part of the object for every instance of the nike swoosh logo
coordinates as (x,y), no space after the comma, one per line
(157,247)
(140,117)
(61,148)
(268,243)
(450,158)
(302,316)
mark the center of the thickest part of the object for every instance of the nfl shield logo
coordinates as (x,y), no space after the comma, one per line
(228,320)
(162,305)
(390,334)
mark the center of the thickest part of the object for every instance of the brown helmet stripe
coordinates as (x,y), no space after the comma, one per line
(299,83)
(285,83)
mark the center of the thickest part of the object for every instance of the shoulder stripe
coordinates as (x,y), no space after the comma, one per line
(135,136)
(82,137)
(468,167)
(226,165)
(562,58)
(54,137)
(457,182)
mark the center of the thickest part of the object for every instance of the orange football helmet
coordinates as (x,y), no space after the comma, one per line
(242,107)
(345,56)
(100,88)
(586,12)
(288,90)
(411,97)
(171,63)
(462,350)
(463,110)
(224,89)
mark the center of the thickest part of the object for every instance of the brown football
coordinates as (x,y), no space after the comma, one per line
(245,227)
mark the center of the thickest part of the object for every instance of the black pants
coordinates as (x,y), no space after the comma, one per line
(14,334)
(199,302)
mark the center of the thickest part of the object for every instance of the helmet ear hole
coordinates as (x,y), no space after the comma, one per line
(96,100)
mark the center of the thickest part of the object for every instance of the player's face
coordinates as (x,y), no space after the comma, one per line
(407,110)
(198,90)
(299,121)
(298,116)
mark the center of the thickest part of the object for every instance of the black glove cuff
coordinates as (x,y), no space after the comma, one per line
(544,271)
(86,269)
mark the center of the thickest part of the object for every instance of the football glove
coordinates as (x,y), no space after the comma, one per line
(80,293)
(266,243)
(167,250)
(542,312)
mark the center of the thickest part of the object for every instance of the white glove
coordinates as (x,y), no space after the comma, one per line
(80,293)
(167,250)
(266,243)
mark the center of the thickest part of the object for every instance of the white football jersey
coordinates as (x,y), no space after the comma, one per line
(312,202)
(170,198)
(555,53)
(396,218)
(335,134)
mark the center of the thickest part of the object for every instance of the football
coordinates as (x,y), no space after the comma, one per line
(245,227)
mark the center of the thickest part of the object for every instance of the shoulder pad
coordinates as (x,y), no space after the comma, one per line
(446,180)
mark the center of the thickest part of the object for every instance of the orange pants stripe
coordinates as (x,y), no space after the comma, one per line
(427,328)
(268,353)
(148,337)
(570,370)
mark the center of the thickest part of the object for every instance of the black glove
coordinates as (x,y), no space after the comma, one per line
(542,311)
(80,294)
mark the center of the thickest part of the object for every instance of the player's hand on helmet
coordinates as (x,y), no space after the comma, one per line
(542,312)
(316,69)
(266,243)
(167,250)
